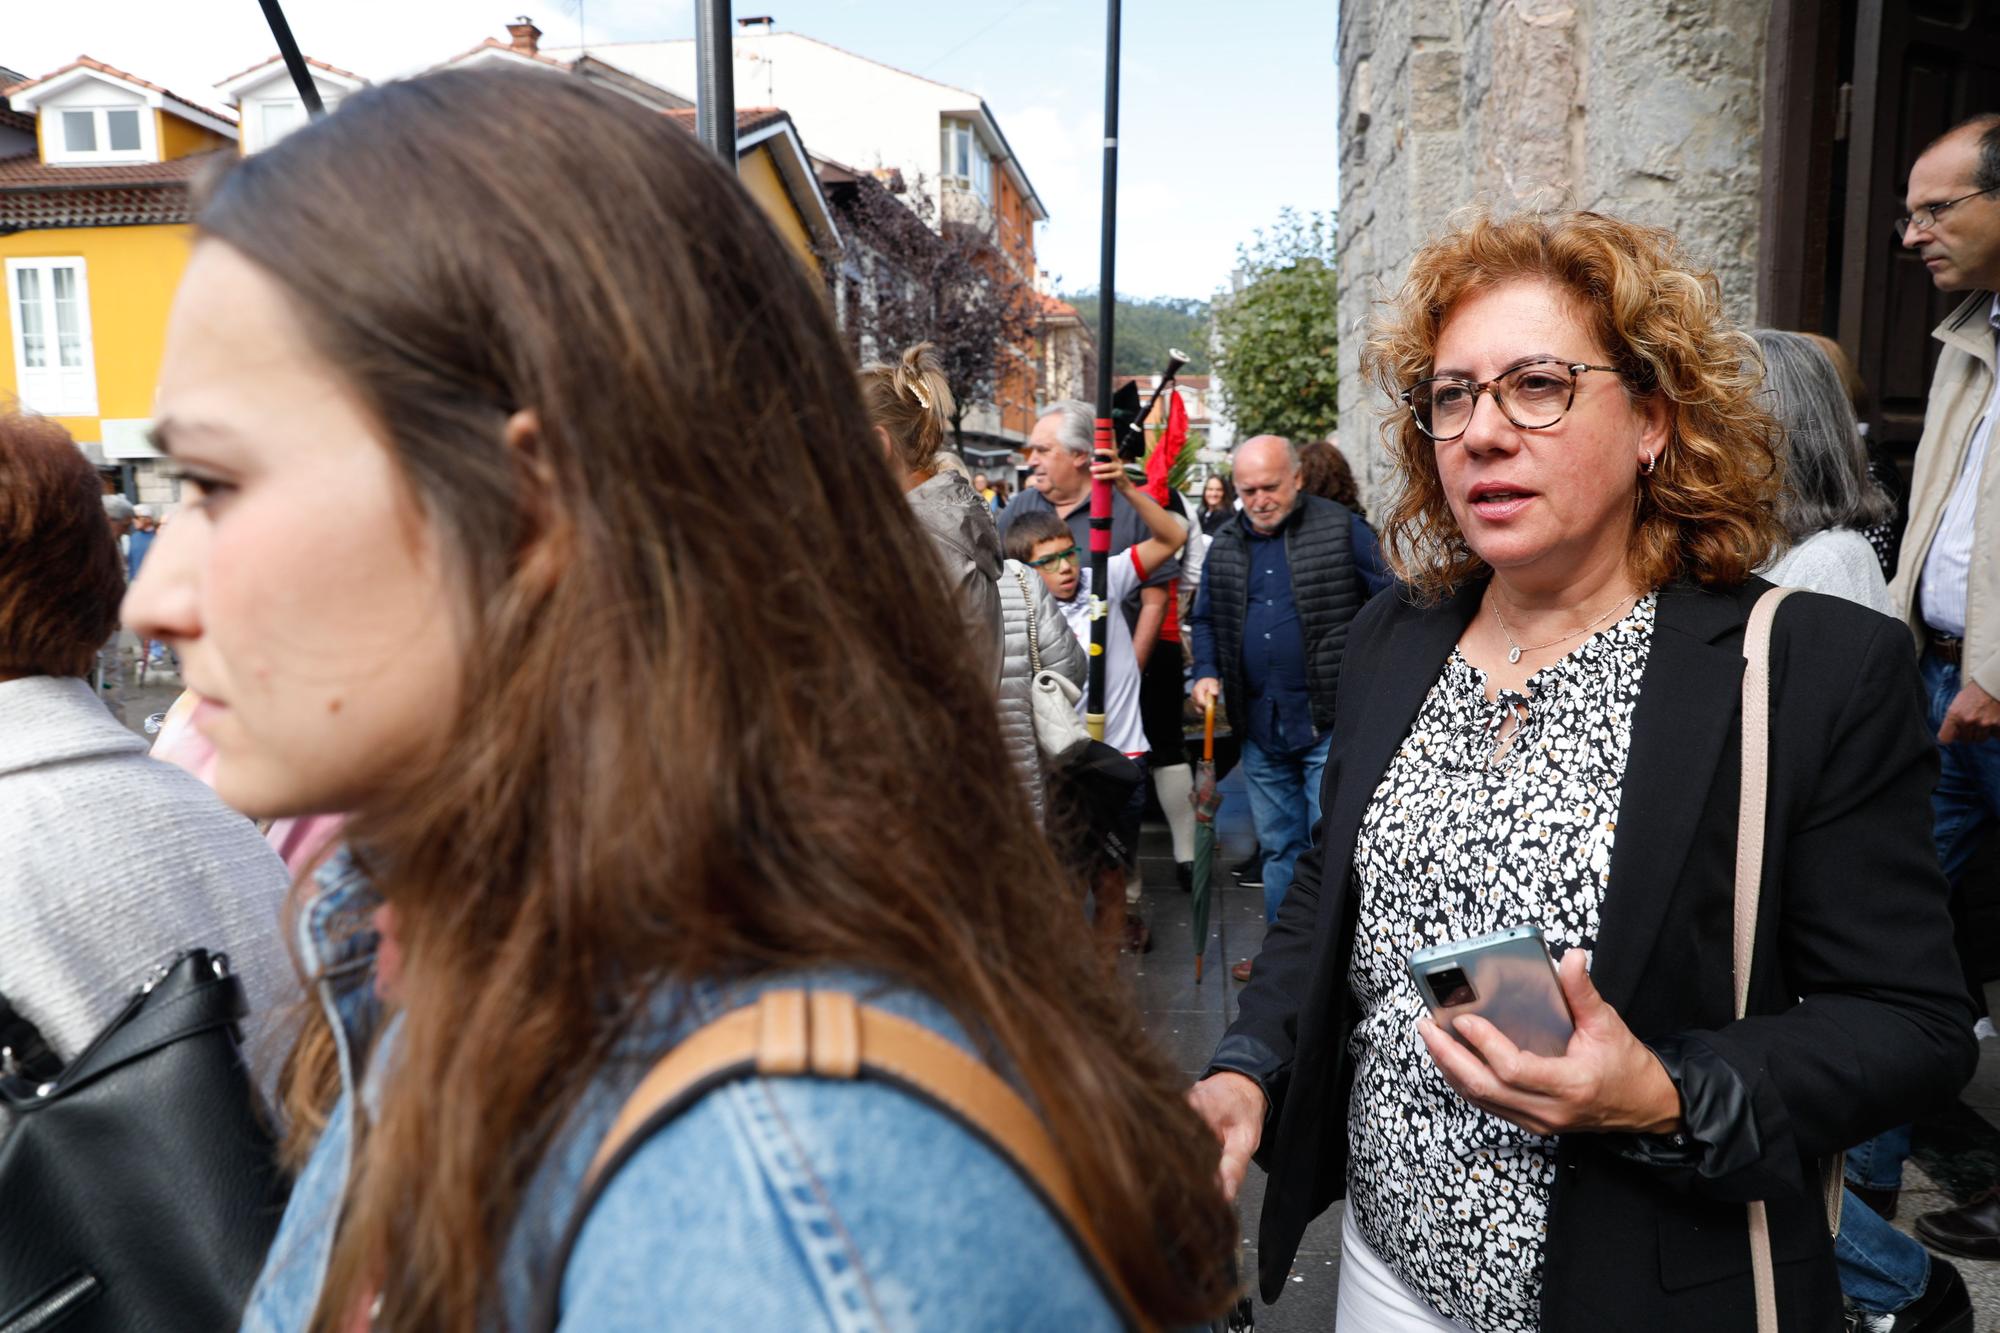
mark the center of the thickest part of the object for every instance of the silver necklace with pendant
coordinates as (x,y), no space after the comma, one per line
(1514,650)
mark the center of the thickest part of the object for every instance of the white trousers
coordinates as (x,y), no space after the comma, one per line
(1373,1299)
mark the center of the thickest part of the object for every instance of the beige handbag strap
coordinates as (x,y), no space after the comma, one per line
(1756,784)
(1749,881)
(828,1034)
(1750,821)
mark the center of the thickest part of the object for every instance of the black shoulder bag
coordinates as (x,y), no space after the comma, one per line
(139,1186)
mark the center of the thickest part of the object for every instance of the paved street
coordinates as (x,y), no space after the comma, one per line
(1957,1152)
(155,695)
(1188,1020)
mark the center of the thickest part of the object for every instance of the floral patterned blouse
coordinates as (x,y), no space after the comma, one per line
(1472,832)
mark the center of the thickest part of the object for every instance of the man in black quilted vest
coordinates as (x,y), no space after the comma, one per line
(1279,586)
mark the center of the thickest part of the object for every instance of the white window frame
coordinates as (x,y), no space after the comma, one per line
(982,171)
(55,135)
(41,389)
(971,169)
(263,138)
(957,135)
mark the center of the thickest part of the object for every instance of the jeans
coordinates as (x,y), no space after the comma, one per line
(1878,1163)
(1881,1269)
(1284,805)
(1966,801)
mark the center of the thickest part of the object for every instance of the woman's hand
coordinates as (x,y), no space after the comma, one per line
(1606,1080)
(1234,1108)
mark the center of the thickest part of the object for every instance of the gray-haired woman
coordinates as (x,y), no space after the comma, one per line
(1828,496)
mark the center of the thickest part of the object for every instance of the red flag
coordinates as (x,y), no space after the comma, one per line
(1168,448)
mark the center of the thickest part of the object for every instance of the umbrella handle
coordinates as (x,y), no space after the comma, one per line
(1208,733)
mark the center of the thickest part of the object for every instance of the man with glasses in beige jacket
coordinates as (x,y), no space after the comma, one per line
(1947,584)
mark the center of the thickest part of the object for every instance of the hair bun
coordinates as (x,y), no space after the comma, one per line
(910,399)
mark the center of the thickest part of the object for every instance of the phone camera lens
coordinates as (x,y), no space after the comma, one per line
(1451,987)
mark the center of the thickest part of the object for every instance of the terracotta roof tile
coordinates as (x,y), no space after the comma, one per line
(85,62)
(1056,308)
(27,172)
(316,64)
(748,118)
(34,196)
(133,207)
(495,44)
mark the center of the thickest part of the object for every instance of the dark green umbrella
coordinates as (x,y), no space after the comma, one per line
(1206,800)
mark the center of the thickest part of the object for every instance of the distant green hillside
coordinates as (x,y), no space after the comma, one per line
(1146,329)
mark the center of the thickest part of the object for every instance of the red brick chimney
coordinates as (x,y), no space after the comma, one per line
(524,36)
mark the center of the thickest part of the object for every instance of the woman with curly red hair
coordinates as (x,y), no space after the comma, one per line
(1545,732)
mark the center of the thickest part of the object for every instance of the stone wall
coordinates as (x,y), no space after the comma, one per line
(1648,110)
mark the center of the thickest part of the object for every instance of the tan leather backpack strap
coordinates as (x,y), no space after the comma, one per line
(828,1034)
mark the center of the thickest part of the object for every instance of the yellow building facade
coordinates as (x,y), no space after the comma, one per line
(773,165)
(129,276)
(759,174)
(94,236)
(95,230)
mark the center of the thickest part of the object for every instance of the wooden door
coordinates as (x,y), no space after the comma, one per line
(1919,67)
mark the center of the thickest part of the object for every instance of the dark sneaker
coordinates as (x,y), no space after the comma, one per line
(1250,874)
(1242,970)
(1184,873)
(1945,1307)
(1971,1230)
(1138,939)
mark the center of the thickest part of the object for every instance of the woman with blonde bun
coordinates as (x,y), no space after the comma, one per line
(909,404)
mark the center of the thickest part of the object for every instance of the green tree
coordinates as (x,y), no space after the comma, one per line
(1147,329)
(1277,334)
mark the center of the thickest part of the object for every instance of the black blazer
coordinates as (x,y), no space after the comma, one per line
(1852,919)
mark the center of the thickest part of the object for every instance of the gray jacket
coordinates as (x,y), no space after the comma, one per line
(1060,652)
(968,546)
(115,863)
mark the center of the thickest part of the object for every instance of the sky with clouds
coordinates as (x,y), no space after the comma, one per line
(1227,111)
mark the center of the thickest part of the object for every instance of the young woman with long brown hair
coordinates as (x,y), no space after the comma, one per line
(532,529)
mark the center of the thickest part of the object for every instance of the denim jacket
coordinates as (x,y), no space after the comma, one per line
(786,1204)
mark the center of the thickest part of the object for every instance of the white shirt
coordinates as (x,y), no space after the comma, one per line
(1941,593)
(1123,730)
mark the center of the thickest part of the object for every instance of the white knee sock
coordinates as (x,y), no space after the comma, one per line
(1174,785)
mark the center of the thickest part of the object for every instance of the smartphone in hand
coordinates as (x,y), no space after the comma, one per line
(1507,978)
